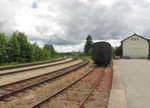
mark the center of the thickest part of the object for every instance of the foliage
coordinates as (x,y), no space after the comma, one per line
(17,49)
(14,48)
(118,51)
(148,56)
(67,54)
(3,48)
(88,44)
(50,50)
(86,57)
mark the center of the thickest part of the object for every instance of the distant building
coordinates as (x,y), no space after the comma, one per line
(135,46)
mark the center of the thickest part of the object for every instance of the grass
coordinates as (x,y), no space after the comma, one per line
(15,63)
(86,57)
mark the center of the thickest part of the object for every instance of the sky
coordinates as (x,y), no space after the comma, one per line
(66,23)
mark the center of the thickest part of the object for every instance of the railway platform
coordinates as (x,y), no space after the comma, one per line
(130,89)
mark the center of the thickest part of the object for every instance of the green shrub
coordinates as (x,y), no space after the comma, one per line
(148,56)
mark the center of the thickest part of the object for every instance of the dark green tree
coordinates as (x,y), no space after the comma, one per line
(46,51)
(3,47)
(18,49)
(14,48)
(118,51)
(32,52)
(88,44)
(51,51)
(24,47)
(148,56)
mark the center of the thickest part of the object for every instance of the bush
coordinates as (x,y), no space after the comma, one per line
(148,56)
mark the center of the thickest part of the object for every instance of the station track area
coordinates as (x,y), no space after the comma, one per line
(79,85)
(85,92)
(8,90)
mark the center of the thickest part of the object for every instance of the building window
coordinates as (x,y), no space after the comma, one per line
(132,39)
(137,38)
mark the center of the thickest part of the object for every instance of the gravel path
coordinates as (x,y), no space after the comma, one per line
(24,75)
(135,74)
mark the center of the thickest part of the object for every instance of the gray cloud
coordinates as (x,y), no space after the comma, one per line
(55,40)
(64,22)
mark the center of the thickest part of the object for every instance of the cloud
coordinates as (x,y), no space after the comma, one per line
(67,23)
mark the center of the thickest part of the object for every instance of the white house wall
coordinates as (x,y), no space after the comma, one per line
(136,48)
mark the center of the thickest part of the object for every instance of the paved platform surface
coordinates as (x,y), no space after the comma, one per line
(134,75)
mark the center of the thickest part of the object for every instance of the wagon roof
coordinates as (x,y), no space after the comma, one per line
(101,42)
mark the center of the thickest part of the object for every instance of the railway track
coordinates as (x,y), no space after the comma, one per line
(32,64)
(20,86)
(10,70)
(91,75)
(91,90)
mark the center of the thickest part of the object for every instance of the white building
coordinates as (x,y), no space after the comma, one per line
(135,46)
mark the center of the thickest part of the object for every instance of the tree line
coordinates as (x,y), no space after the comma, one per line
(17,48)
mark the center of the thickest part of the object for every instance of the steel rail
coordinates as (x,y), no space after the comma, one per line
(32,64)
(37,76)
(61,90)
(96,83)
(40,67)
(46,80)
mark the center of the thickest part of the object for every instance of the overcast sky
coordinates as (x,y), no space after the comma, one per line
(66,23)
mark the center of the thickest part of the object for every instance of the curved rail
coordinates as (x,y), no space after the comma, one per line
(47,99)
(53,76)
(38,105)
(24,70)
(32,64)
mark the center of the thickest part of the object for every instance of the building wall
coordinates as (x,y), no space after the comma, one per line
(135,47)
